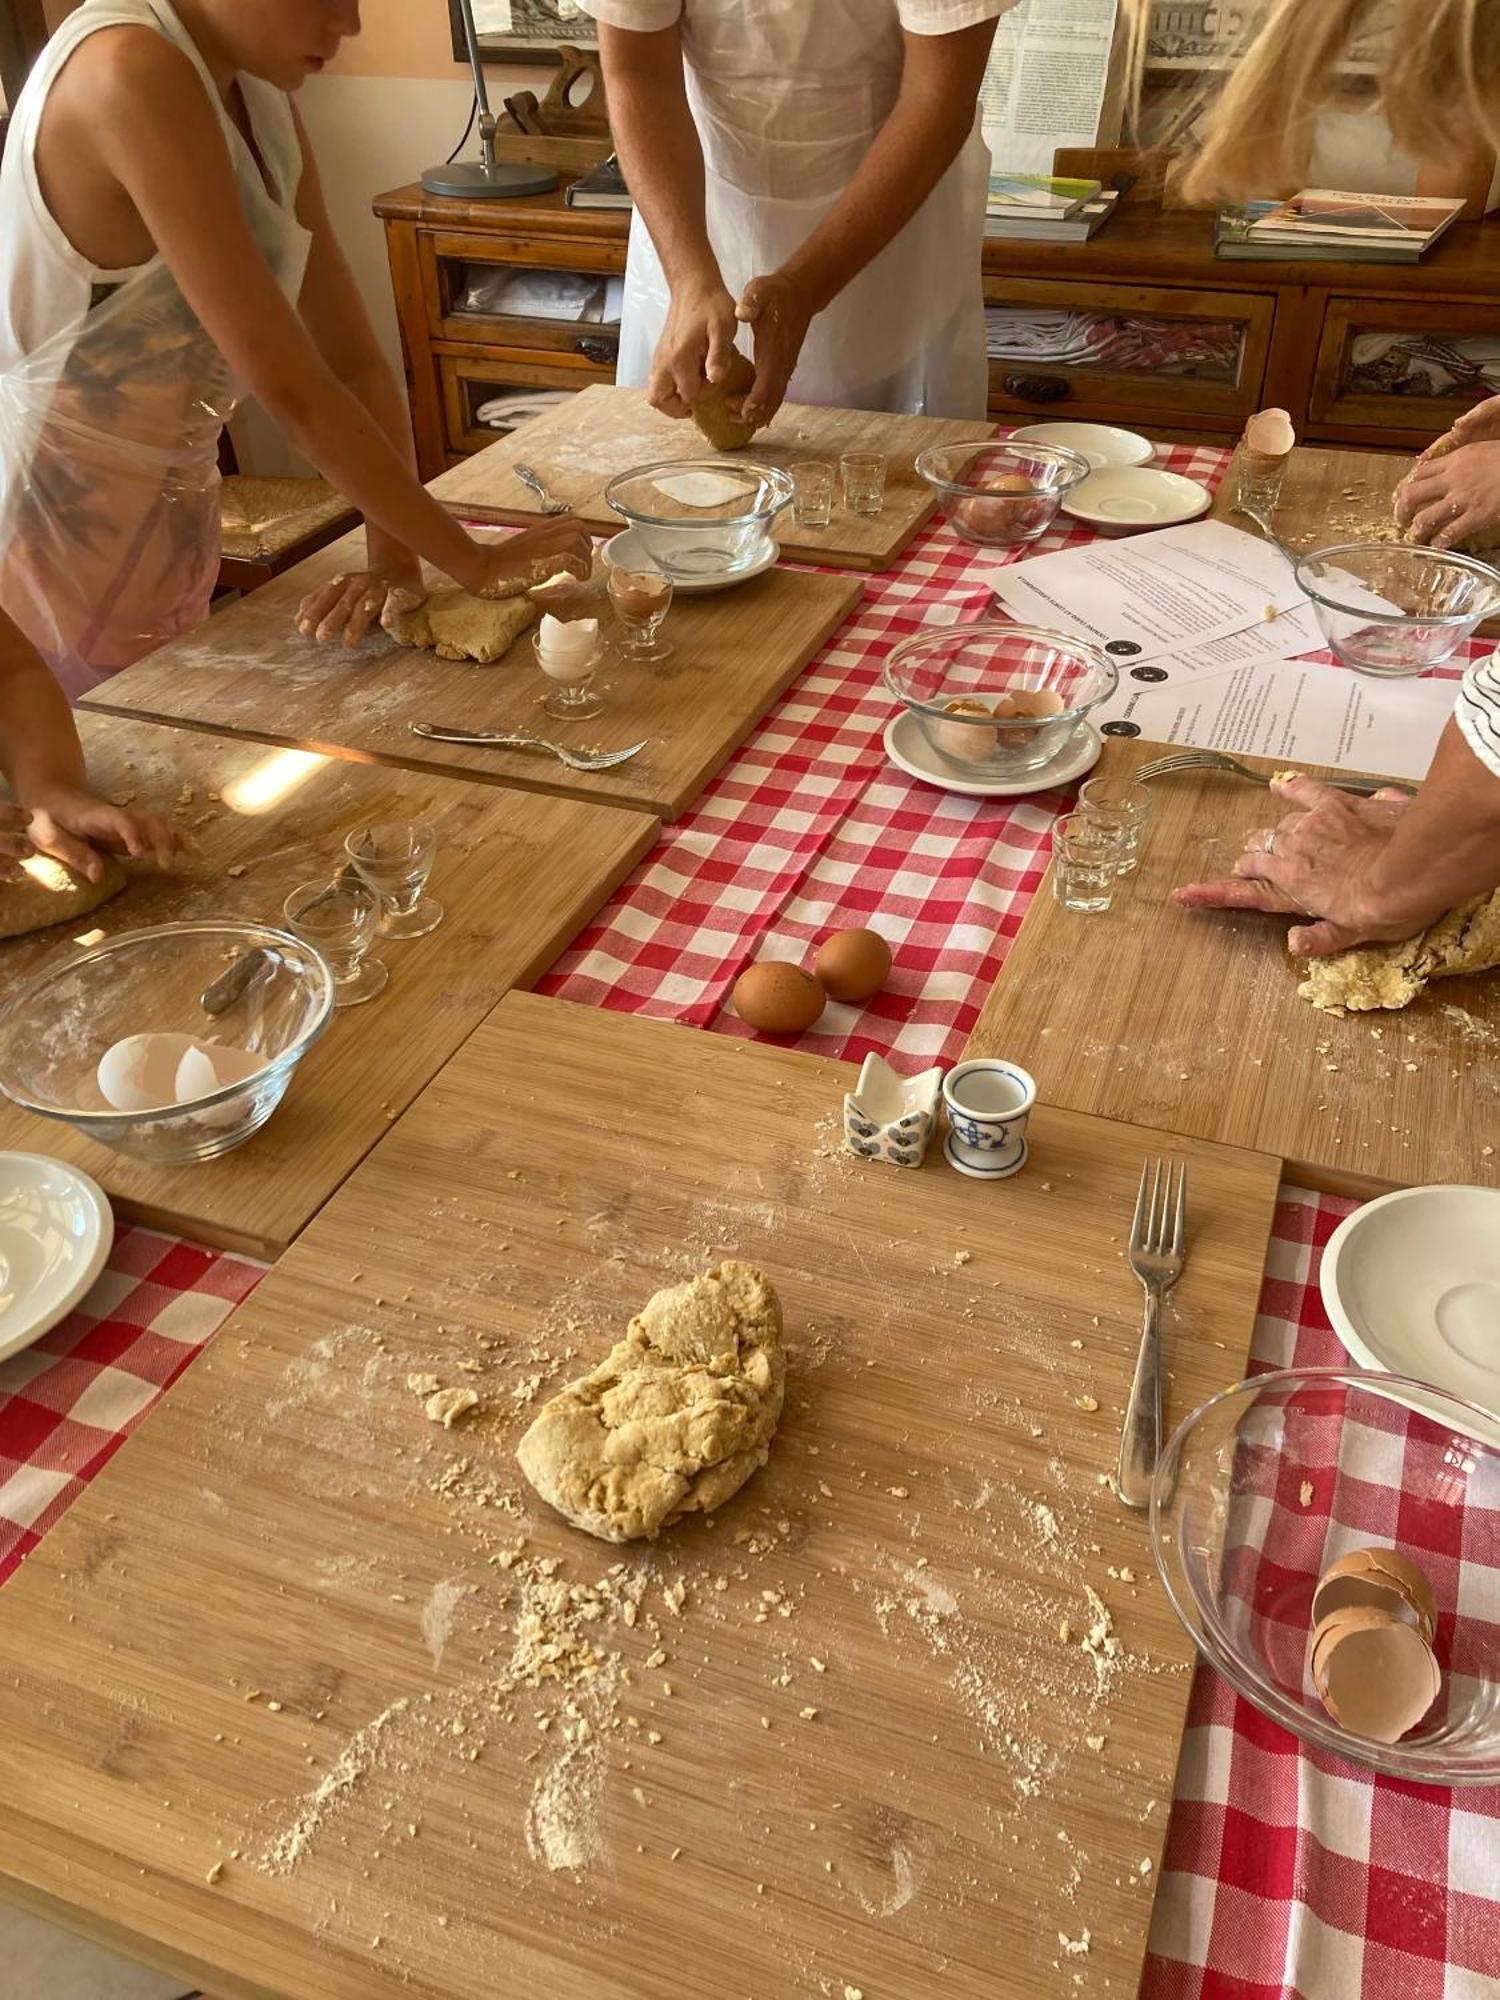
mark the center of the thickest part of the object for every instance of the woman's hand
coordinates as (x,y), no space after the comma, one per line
(348,606)
(1475,425)
(74,826)
(1453,499)
(695,345)
(1316,864)
(557,546)
(778,312)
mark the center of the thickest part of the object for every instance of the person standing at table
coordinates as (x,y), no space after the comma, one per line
(815,170)
(165,248)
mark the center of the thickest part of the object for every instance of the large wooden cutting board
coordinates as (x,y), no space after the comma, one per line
(580,446)
(248,672)
(845,1744)
(1326,496)
(1190,1019)
(518,877)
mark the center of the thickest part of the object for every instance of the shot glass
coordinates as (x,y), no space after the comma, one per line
(1260,478)
(641,600)
(863,474)
(1126,801)
(340,919)
(812,499)
(1086,854)
(393,858)
(571,697)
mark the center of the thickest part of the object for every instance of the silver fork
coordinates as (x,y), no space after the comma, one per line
(1158,1244)
(576,760)
(1257,515)
(1215,760)
(529,476)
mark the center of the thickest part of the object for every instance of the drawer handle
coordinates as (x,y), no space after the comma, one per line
(596,348)
(1038,388)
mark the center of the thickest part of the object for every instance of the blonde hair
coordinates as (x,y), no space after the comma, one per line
(1437,82)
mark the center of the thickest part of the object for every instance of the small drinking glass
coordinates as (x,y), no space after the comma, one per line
(1086,855)
(340,919)
(571,697)
(812,502)
(863,474)
(393,859)
(1126,801)
(642,599)
(1260,478)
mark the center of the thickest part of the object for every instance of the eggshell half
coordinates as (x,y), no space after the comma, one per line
(210,1066)
(778,998)
(1375,1674)
(139,1072)
(966,742)
(1382,1579)
(853,965)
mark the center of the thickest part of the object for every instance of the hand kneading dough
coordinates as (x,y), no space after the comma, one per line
(49,892)
(1392,975)
(675,1418)
(456,626)
(712,414)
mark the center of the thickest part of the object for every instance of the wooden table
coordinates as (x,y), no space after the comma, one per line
(1190,1019)
(267,1723)
(1327,496)
(518,876)
(248,672)
(580,446)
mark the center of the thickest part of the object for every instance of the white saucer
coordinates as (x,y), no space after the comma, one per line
(623,551)
(1411,1282)
(56,1228)
(1137,496)
(909,751)
(1100,444)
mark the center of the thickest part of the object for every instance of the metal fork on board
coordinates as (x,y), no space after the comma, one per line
(1158,1247)
(576,760)
(1215,760)
(529,476)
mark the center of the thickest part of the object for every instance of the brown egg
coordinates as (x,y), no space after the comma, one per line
(853,965)
(965,742)
(1031,701)
(1380,1579)
(1375,1674)
(778,998)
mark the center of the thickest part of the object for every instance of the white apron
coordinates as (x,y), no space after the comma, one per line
(788,96)
(112,395)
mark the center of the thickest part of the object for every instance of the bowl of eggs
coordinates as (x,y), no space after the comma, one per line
(1330,1539)
(994,699)
(168,1045)
(1001,494)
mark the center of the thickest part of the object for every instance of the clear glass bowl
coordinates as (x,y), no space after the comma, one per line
(701,517)
(1240,1549)
(1393,609)
(939,674)
(276,995)
(1001,494)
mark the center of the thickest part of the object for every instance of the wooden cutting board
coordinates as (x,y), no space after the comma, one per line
(249,672)
(1327,496)
(580,446)
(844,1744)
(518,877)
(1190,1019)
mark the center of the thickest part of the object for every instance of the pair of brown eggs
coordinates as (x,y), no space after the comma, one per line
(1371,1657)
(780,998)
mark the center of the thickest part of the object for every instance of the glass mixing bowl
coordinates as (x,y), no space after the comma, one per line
(1250,1505)
(266,992)
(1392,609)
(957,681)
(1000,494)
(701,517)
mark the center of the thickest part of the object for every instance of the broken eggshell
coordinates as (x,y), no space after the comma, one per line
(1382,1580)
(1374,1673)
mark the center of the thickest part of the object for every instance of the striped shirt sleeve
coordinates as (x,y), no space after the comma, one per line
(1477,712)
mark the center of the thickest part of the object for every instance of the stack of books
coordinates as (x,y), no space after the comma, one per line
(601,187)
(1037,208)
(1325,224)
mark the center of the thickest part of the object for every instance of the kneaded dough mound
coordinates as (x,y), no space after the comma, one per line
(676,1417)
(49,892)
(712,414)
(457,626)
(1392,975)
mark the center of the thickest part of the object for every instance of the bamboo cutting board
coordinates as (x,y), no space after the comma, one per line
(1189,1019)
(580,446)
(1327,496)
(841,1739)
(518,878)
(249,672)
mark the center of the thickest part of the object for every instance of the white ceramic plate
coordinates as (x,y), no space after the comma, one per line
(56,1227)
(1137,496)
(1412,1286)
(623,551)
(910,751)
(1100,444)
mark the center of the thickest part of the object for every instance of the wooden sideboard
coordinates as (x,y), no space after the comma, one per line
(1174,338)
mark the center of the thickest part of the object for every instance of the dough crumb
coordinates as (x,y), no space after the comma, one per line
(446,1406)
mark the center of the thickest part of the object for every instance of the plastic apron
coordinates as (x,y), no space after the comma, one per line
(788,96)
(109,439)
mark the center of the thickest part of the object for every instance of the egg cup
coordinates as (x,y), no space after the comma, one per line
(988,1106)
(891,1117)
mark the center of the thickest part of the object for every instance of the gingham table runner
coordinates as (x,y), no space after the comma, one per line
(1288,1875)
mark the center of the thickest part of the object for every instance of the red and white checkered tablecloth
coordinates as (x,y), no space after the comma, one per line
(1288,1875)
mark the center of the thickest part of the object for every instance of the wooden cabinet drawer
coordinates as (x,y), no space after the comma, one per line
(1126,351)
(493,290)
(468,381)
(1406,366)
